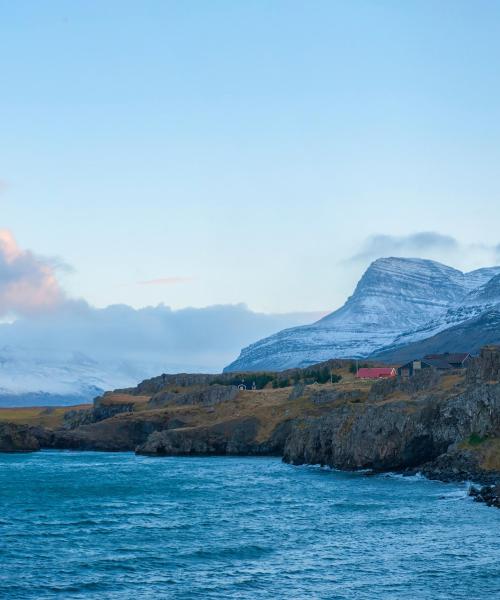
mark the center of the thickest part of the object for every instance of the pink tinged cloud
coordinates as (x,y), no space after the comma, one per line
(28,284)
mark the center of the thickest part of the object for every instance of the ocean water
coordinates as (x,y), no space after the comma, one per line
(98,525)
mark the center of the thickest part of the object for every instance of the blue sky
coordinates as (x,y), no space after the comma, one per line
(234,152)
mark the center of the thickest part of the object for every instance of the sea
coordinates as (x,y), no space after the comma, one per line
(81,525)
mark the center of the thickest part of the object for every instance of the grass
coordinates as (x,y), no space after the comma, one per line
(139,402)
(50,417)
(490,451)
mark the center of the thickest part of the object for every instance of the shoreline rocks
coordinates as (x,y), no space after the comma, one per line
(489,495)
(17,438)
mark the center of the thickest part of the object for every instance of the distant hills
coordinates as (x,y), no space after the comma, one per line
(401,308)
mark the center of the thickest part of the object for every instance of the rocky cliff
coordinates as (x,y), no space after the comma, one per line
(446,427)
(17,438)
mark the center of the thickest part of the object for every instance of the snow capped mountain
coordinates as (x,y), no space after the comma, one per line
(468,336)
(396,302)
(471,306)
(71,355)
(28,378)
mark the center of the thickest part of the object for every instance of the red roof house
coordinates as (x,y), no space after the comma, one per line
(376,373)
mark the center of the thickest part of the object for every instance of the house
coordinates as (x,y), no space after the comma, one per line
(376,373)
(439,362)
(409,368)
(457,360)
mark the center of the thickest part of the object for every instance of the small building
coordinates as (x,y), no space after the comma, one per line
(439,362)
(457,360)
(410,368)
(243,386)
(376,373)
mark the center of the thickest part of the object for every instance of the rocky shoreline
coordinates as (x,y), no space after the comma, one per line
(446,427)
(18,438)
(488,494)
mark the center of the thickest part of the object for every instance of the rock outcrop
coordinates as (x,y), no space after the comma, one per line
(489,494)
(207,396)
(233,437)
(405,424)
(17,438)
(486,367)
(446,426)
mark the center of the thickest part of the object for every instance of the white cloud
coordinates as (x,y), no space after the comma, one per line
(28,284)
(429,244)
(415,244)
(118,346)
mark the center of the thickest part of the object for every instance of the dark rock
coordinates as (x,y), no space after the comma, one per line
(485,367)
(100,411)
(208,396)
(393,435)
(17,438)
(119,433)
(489,494)
(229,437)
(422,381)
(459,464)
(328,396)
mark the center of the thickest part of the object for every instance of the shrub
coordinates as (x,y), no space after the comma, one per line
(475,439)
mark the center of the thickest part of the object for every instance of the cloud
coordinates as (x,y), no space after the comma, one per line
(28,283)
(118,346)
(428,244)
(415,244)
(56,344)
(165,281)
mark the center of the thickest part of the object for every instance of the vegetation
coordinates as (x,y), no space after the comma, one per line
(260,380)
(279,380)
(475,439)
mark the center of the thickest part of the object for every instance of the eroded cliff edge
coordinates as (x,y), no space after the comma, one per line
(446,427)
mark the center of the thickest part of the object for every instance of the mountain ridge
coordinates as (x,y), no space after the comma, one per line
(396,302)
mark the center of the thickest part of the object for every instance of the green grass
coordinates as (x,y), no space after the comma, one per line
(475,439)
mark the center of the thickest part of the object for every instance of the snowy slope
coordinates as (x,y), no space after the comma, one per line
(397,301)
(71,355)
(472,305)
(28,378)
(468,336)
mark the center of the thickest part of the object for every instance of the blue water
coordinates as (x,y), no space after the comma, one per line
(98,525)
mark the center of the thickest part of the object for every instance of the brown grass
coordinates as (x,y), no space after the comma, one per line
(490,453)
(139,402)
(51,417)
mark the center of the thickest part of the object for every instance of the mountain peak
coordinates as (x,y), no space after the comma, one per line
(395,297)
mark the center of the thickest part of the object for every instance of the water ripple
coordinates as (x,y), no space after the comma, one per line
(82,525)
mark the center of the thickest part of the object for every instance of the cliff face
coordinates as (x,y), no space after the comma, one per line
(235,437)
(395,435)
(17,438)
(447,426)
(445,431)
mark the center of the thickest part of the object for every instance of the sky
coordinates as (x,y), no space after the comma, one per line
(259,152)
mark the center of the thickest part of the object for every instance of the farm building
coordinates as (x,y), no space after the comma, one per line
(376,373)
(457,360)
(439,362)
